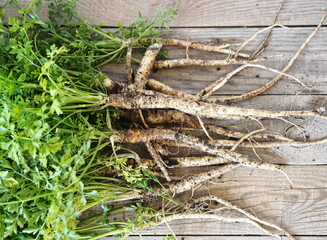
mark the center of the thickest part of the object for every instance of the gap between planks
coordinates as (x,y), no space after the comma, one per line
(201,13)
(216,237)
(206,13)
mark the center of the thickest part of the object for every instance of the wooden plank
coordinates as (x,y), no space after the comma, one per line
(201,237)
(206,12)
(203,13)
(308,222)
(308,68)
(302,210)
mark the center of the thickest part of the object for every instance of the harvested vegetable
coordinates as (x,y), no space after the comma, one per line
(63,132)
(55,138)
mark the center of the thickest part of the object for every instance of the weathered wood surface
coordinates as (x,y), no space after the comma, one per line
(204,13)
(302,210)
(268,195)
(245,237)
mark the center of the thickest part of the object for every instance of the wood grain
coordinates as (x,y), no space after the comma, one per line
(252,237)
(207,13)
(302,210)
(202,13)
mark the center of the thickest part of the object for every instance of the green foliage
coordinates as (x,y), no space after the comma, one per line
(54,137)
(144,28)
(169,238)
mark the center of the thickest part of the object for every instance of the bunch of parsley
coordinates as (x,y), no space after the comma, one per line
(54,139)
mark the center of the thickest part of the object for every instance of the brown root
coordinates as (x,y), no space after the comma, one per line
(145,68)
(200,62)
(264,43)
(128,66)
(248,215)
(219,218)
(163,88)
(213,160)
(236,134)
(226,143)
(193,181)
(149,135)
(256,144)
(199,46)
(245,43)
(278,77)
(208,91)
(246,136)
(185,122)
(198,161)
(156,157)
(202,109)
(161,117)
